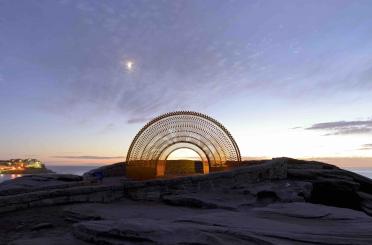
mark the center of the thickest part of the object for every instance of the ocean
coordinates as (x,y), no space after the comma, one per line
(367,172)
(79,170)
(68,169)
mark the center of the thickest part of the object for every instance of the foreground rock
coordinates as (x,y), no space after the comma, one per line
(333,186)
(36,182)
(281,201)
(113,170)
(110,189)
(300,223)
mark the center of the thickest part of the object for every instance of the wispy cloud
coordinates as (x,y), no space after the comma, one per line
(366,147)
(352,162)
(139,120)
(88,157)
(344,127)
(209,60)
(108,128)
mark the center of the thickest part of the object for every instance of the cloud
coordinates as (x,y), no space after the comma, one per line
(344,127)
(213,56)
(110,127)
(349,162)
(89,157)
(366,147)
(139,120)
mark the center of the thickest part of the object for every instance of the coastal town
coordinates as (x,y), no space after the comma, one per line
(21,166)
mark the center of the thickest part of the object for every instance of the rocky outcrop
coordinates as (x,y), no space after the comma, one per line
(38,182)
(41,226)
(300,181)
(28,192)
(249,195)
(333,186)
(73,216)
(113,170)
(155,189)
(281,201)
(289,223)
(58,192)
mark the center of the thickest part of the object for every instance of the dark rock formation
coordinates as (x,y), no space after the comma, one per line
(113,170)
(290,223)
(72,216)
(333,186)
(280,201)
(41,226)
(37,182)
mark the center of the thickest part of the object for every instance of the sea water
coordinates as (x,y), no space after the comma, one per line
(367,172)
(59,169)
(80,170)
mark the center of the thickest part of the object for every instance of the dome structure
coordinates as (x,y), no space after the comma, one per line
(183,129)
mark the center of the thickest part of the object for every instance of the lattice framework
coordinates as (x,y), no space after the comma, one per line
(184,129)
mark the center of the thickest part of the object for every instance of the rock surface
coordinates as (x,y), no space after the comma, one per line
(333,186)
(282,201)
(288,223)
(113,170)
(36,182)
(42,226)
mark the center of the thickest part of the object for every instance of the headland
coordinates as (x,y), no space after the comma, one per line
(23,166)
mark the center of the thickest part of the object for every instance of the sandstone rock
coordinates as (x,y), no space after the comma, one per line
(76,216)
(188,201)
(41,226)
(113,170)
(282,191)
(285,223)
(366,202)
(155,189)
(144,231)
(334,186)
(259,204)
(29,183)
(301,164)
(67,239)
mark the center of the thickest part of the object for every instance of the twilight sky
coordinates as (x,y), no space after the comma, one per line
(287,78)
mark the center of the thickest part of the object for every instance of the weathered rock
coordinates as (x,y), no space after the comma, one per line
(366,202)
(67,239)
(280,190)
(57,196)
(266,203)
(333,186)
(286,223)
(41,226)
(242,195)
(301,164)
(30,183)
(188,201)
(154,189)
(112,170)
(76,216)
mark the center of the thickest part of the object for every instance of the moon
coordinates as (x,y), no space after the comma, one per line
(129,65)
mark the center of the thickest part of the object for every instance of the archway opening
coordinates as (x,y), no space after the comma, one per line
(184,154)
(182,158)
(185,161)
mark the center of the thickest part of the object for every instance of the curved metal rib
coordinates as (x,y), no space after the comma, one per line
(174,127)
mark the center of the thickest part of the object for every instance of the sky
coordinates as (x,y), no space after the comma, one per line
(78,79)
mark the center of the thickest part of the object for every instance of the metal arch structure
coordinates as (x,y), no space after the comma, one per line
(183,129)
